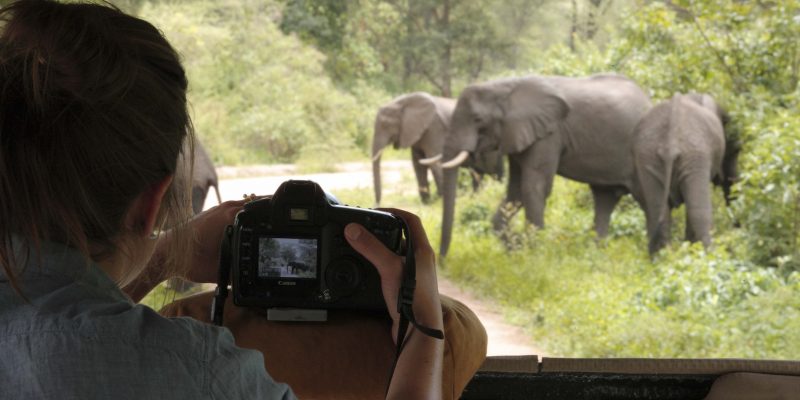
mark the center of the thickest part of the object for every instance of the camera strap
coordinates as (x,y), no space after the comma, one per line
(221,294)
(405,301)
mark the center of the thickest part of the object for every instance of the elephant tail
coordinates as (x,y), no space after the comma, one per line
(661,231)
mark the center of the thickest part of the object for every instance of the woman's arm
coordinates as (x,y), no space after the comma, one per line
(207,229)
(418,374)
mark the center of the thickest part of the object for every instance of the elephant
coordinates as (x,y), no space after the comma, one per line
(204,176)
(680,148)
(418,120)
(578,128)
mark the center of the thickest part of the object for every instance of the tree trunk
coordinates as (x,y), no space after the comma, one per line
(408,58)
(444,26)
(574,30)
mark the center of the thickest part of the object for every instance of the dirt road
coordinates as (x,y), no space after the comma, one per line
(504,339)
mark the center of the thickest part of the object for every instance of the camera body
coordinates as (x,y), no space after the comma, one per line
(289,251)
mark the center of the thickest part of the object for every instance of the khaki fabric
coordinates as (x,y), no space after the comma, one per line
(526,364)
(347,357)
(750,386)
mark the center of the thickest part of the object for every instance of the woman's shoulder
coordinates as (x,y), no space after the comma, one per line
(180,356)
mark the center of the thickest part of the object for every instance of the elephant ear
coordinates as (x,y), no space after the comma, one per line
(419,112)
(531,111)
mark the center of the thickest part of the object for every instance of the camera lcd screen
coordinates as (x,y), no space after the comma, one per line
(280,257)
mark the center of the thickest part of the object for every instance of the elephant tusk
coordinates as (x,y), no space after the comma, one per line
(430,160)
(377,157)
(458,160)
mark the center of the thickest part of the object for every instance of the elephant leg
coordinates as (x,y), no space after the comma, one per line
(605,199)
(536,188)
(476,179)
(696,190)
(421,172)
(538,166)
(198,199)
(661,232)
(654,179)
(511,203)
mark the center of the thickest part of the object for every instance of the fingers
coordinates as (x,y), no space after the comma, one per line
(416,230)
(372,249)
(229,208)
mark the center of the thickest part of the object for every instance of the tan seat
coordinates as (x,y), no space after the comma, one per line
(347,357)
(752,386)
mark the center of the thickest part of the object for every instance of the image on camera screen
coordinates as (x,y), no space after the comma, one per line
(280,257)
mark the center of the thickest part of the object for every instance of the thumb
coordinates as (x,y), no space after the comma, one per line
(372,249)
(388,264)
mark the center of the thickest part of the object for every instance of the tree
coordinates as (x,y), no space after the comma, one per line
(587,27)
(320,22)
(408,45)
(258,95)
(446,40)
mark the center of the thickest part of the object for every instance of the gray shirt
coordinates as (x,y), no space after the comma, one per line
(80,337)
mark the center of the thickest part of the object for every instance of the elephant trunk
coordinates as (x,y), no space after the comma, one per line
(379,142)
(376,178)
(449,186)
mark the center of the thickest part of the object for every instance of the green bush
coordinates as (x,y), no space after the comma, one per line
(257,95)
(769,202)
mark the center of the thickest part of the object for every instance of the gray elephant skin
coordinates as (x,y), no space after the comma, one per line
(417,120)
(204,176)
(579,128)
(421,121)
(680,147)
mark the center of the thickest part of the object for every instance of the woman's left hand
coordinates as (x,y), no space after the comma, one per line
(208,229)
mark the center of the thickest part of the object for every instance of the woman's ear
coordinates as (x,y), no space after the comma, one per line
(142,214)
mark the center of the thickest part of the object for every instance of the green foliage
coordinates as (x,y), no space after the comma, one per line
(408,45)
(318,22)
(578,296)
(257,95)
(769,202)
(476,217)
(162,295)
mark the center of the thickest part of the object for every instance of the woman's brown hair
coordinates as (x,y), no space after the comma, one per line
(92,112)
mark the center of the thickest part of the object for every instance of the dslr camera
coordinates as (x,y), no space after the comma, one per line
(289,251)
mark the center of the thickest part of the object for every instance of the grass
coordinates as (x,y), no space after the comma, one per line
(580,296)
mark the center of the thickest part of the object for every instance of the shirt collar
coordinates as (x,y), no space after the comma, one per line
(59,264)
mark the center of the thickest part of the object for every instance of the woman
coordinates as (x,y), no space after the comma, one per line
(92,119)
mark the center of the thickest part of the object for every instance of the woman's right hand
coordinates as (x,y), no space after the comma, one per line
(418,373)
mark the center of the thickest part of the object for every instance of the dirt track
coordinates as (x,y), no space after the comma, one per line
(504,339)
